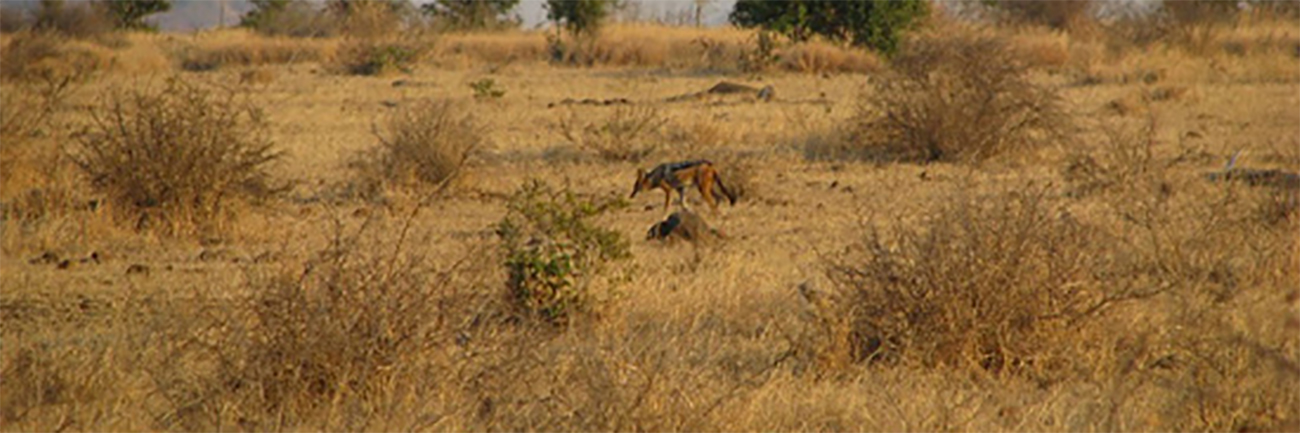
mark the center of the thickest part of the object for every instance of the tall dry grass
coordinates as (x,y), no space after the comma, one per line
(241,48)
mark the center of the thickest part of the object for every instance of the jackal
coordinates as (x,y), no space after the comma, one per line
(676,176)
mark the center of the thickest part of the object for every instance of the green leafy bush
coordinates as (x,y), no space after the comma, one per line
(865,23)
(554,251)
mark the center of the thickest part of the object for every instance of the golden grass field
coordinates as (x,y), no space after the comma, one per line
(752,333)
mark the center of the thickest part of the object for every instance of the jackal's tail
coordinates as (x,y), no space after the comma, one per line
(717,180)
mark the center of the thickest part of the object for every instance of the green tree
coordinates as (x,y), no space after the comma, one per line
(877,24)
(130,14)
(263,12)
(579,17)
(472,14)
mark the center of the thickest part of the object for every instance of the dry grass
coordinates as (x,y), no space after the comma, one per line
(238,48)
(1103,285)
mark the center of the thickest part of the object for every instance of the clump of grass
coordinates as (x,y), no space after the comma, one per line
(180,158)
(994,283)
(554,252)
(627,134)
(964,97)
(422,145)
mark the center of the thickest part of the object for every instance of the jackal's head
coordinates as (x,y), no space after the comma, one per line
(642,183)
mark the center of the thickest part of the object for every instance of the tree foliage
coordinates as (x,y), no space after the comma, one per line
(130,14)
(877,24)
(579,17)
(472,14)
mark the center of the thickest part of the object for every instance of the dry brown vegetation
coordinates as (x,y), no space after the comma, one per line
(1037,240)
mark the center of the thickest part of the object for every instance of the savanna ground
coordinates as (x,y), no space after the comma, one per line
(1086,276)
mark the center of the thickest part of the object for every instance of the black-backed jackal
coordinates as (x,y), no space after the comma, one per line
(676,176)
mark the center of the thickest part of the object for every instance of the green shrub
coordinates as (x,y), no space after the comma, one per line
(130,14)
(865,23)
(372,57)
(472,14)
(554,252)
(578,17)
(178,158)
(486,89)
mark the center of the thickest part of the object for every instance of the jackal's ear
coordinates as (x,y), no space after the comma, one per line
(640,178)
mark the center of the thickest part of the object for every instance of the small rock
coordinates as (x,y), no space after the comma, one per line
(137,269)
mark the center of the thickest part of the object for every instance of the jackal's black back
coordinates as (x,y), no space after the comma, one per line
(669,167)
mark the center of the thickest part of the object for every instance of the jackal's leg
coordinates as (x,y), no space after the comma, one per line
(705,184)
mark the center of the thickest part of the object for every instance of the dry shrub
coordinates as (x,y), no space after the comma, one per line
(423,145)
(12,20)
(696,137)
(298,19)
(380,57)
(48,59)
(1221,272)
(179,159)
(37,180)
(629,133)
(995,283)
(1072,15)
(368,19)
(963,97)
(1223,357)
(250,51)
(37,377)
(80,20)
(341,335)
(1196,24)
(820,57)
